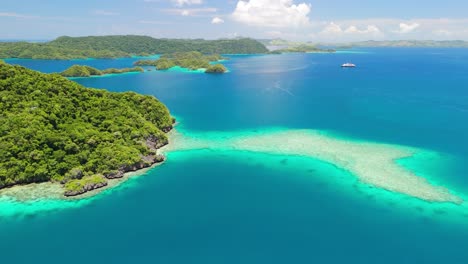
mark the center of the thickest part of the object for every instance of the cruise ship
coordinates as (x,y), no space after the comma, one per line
(348,65)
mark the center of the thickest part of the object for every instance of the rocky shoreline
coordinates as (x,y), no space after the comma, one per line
(152,142)
(86,188)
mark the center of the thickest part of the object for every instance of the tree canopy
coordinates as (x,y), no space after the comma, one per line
(192,60)
(53,129)
(216,68)
(87,71)
(124,46)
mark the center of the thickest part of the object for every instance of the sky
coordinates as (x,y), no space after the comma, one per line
(301,20)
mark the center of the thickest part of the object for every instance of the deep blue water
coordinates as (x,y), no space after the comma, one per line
(209,207)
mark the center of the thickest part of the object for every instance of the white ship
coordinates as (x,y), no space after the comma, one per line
(348,65)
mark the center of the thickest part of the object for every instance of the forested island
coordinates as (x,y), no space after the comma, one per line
(302,48)
(280,46)
(54,129)
(190,60)
(124,46)
(88,71)
(409,44)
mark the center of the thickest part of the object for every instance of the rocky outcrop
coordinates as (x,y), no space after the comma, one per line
(145,162)
(152,142)
(88,187)
(115,175)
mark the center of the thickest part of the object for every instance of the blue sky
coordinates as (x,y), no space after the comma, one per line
(311,20)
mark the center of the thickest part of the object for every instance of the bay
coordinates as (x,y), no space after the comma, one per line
(207,206)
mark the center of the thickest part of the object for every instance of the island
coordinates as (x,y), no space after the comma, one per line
(193,60)
(406,44)
(280,46)
(55,130)
(216,68)
(302,48)
(87,71)
(64,48)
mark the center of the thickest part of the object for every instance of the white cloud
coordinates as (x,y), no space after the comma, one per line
(272,13)
(332,28)
(217,20)
(16,15)
(370,29)
(407,28)
(187,2)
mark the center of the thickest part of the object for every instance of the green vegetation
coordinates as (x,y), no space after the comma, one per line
(190,60)
(25,50)
(87,183)
(87,71)
(284,46)
(164,64)
(124,46)
(303,48)
(216,68)
(53,129)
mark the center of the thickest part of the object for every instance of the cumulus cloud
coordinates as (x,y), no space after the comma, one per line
(187,2)
(217,20)
(272,13)
(333,28)
(371,29)
(407,28)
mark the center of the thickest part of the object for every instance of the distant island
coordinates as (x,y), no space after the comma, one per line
(302,48)
(189,60)
(124,46)
(277,46)
(54,129)
(410,43)
(280,46)
(87,71)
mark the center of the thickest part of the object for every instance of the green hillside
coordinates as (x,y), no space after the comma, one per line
(53,129)
(124,46)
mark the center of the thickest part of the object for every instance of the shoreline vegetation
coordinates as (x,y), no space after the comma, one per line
(56,130)
(189,60)
(87,71)
(65,48)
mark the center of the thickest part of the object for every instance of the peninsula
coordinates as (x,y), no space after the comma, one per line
(87,71)
(55,130)
(189,60)
(64,48)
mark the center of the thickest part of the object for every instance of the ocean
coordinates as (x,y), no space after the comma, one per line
(240,206)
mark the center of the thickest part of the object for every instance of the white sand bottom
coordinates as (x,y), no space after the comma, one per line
(372,163)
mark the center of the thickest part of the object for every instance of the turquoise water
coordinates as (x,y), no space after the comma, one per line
(214,206)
